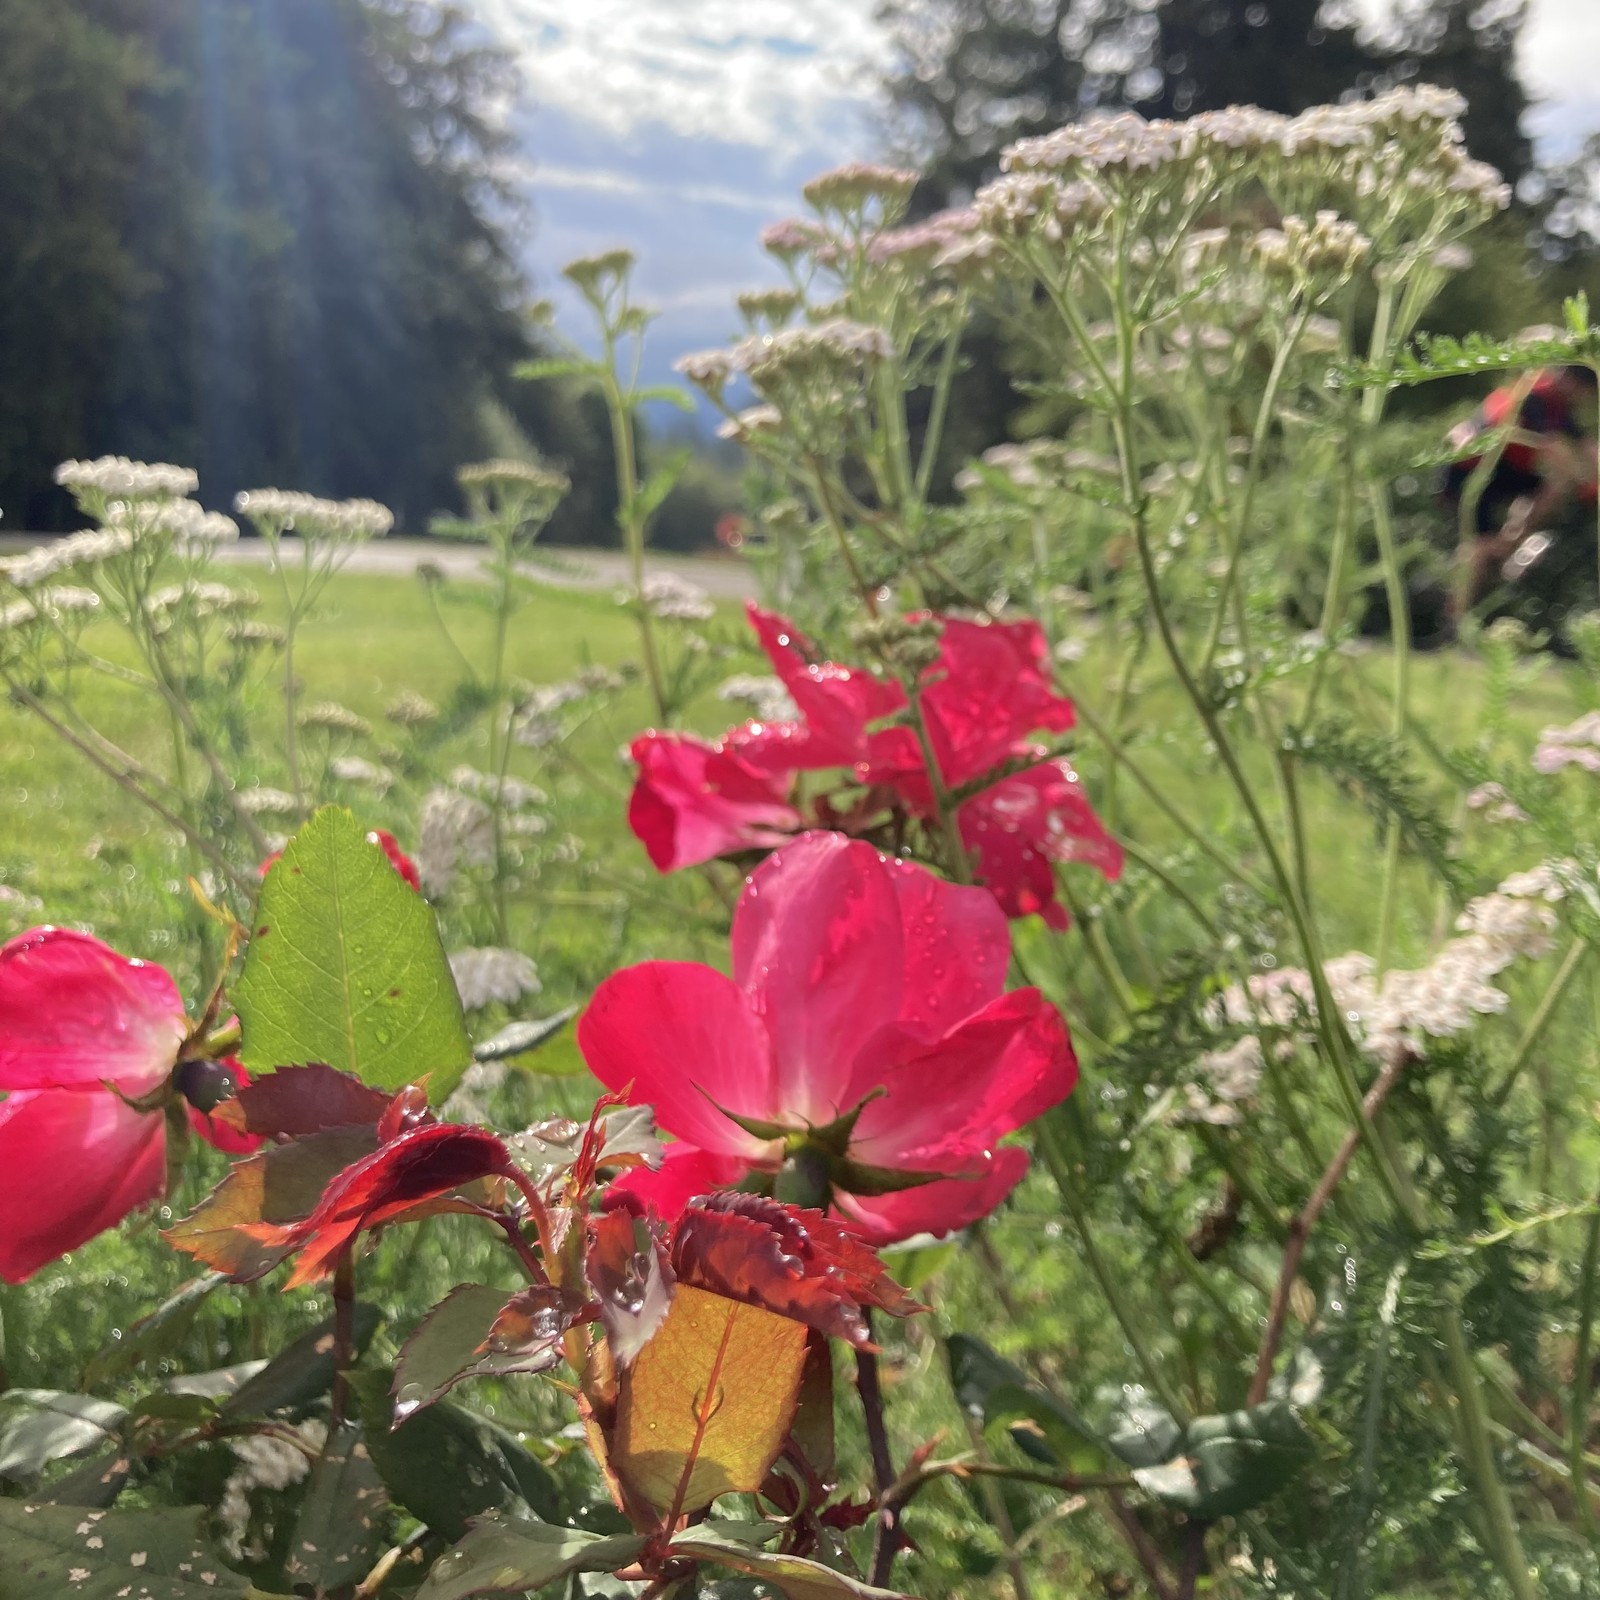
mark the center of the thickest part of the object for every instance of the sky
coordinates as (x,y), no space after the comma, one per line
(679,127)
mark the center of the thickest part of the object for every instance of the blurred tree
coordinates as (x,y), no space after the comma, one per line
(972,75)
(283,242)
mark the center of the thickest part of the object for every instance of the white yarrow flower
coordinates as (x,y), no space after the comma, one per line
(488,975)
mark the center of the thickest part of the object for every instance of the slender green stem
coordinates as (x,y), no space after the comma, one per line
(1057,1160)
(1540,1020)
(933,435)
(1582,1365)
(1499,1517)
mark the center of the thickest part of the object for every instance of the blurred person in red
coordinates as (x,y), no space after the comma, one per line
(1528,454)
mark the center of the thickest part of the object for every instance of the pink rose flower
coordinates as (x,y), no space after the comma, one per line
(865,1036)
(982,699)
(83,1031)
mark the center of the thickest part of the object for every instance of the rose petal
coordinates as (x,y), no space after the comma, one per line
(936,1208)
(836,703)
(989,689)
(949,1103)
(73,1162)
(1017,828)
(818,950)
(685,1173)
(687,1041)
(74,1012)
(692,801)
(956,948)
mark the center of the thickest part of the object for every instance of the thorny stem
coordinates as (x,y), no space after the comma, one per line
(344,1335)
(887,1538)
(1300,1231)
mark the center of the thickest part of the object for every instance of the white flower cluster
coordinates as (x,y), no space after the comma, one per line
(538,723)
(266,802)
(78,552)
(813,350)
(193,530)
(486,976)
(791,237)
(675,599)
(514,794)
(453,830)
(1495,804)
(847,189)
(1547,881)
(772,306)
(765,695)
(1227,1078)
(409,709)
(342,521)
(922,243)
(201,599)
(59,603)
(753,422)
(470,1100)
(1393,1019)
(117,476)
(329,716)
(364,774)
(1027,201)
(516,474)
(1576,745)
(265,1462)
(1329,247)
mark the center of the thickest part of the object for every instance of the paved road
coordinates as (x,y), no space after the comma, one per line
(725,577)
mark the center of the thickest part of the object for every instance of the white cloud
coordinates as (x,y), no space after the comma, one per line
(776,74)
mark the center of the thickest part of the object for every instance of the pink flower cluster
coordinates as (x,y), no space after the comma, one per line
(1017,810)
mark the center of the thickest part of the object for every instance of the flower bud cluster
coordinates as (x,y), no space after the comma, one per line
(1329,247)
(764,694)
(513,475)
(1576,745)
(331,717)
(771,306)
(848,190)
(809,353)
(674,599)
(921,244)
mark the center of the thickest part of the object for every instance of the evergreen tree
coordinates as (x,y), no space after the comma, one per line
(277,244)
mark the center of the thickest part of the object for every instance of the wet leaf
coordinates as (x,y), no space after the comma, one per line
(340,1527)
(798,1263)
(345,966)
(1233,1462)
(627,1267)
(281,1184)
(480,1332)
(518,1038)
(1141,1431)
(96,1484)
(446,1464)
(515,1554)
(796,1577)
(38,1426)
(293,1101)
(51,1551)
(704,1409)
(998,1393)
(419,1165)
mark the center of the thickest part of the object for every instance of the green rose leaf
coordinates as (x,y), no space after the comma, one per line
(992,1389)
(515,1553)
(729,1545)
(340,1528)
(1233,1462)
(100,1555)
(345,967)
(446,1465)
(38,1426)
